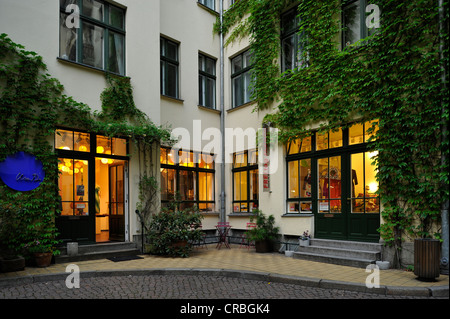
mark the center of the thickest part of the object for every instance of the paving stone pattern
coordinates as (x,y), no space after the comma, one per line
(180,287)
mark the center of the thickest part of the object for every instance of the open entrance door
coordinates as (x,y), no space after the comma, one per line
(110,199)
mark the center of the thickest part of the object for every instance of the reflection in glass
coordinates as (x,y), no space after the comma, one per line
(68,49)
(93,45)
(187,185)
(352,23)
(64,140)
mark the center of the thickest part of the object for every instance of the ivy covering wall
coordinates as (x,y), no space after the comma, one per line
(32,104)
(393,76)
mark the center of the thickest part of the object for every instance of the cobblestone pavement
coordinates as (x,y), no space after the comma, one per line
(180,287)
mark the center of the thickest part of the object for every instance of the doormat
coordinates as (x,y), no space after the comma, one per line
(124,258)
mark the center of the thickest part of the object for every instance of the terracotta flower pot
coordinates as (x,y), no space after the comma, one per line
(43,259)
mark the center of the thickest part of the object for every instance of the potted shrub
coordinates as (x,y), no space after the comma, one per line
(11,254)
(304,239)
(265,232)
(172,231)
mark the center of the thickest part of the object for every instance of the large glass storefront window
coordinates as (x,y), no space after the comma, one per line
(188,178)
(92,186)
(331,177)
(322,152)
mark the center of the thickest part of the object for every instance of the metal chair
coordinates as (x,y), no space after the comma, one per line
(245,237)
(223,228)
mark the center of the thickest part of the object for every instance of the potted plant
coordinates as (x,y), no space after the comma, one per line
(172,231)
(265,232)
(11,225)
(42,251)
(304,239)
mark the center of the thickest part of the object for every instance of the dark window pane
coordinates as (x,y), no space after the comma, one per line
(237,91)
(116,17)
(116,53)
(352,23)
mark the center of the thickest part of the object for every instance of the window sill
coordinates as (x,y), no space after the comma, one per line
(241,106)
(86,66)
(209,213)
(171,98)
(298,215)
(201,107)
(241,214)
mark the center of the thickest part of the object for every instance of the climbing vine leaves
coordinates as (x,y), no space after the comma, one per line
(33,104)
(393,76)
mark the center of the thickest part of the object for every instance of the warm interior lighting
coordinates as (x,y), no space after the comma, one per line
(372,154)
(100,149)
(373,187)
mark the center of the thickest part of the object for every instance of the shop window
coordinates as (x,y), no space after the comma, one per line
(325,157)
(299,146)
(111,146)
(364,183)
(73,185)
(330,139)
(245,181)
(72,141)
(362,132)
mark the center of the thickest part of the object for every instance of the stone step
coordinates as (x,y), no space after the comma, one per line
(98,251)
(339,252)
(357,245)
(337,260)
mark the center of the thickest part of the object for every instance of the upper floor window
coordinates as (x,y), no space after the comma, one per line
(354,22)
(292,48)
(169,67)
(208,3)
(206,81)
(92,32)
(241,76)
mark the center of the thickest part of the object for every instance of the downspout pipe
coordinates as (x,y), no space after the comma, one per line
(222,118)
(443,28)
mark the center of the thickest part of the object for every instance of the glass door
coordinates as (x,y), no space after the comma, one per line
(330,220)
(116,202)
(74,223)
(364,217)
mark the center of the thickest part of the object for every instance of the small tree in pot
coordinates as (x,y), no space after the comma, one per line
(172,231)
(265,233)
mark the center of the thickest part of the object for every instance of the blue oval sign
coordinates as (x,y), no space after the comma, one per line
(22,171)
